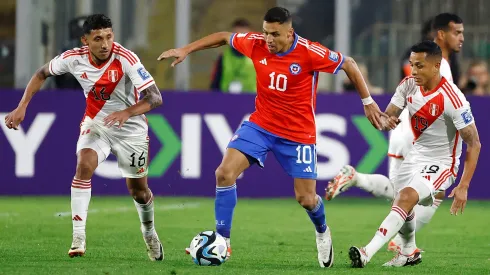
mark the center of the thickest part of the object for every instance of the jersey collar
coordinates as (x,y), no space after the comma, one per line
(443,80)
(293,46)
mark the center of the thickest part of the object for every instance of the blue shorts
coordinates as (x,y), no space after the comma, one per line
(298,160)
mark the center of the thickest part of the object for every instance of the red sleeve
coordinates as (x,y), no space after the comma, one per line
(324,59)
(243,42)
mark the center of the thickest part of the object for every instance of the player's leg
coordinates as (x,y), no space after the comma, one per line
(305,192)
(378,185)
(423,214)
(247,146)
(91,151)
(132,158)
(299,161)
(143,200)
(400,219)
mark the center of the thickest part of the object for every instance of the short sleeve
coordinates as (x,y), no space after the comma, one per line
(61,64)
(399,99)
(244,42)
(324,59)
(135,70)
(458,108)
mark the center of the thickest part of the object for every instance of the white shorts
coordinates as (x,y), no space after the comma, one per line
(131,152)
(426,178)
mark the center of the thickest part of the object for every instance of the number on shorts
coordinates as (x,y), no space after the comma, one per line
(141,160)
(430,169)
(304,155)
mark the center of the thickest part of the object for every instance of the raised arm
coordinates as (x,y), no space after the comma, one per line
(13,119)
(211,41)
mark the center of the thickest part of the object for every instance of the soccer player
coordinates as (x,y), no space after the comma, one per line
(440,118)
(112,78)
(287,67)
(449,36)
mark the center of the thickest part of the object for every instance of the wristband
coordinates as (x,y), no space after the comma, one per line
(368,100)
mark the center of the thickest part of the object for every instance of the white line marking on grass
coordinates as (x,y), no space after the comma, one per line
(167,207)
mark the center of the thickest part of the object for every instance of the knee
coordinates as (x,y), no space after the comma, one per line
(307,201)
(140,195)
(85,169)
(407,199)
(225,176)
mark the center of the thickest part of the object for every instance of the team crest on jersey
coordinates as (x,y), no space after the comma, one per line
(434,109)
(113,77)
(333,56)
(467,117)
(295,68)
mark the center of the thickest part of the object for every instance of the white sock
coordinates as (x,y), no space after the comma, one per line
(388,228)
(423,214)
(378,185)
(407,235)
(81,191)
(147,216)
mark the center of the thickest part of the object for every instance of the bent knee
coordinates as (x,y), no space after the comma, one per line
(225,175)
(307,201)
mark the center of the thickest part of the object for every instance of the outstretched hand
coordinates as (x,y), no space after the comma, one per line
(179,54)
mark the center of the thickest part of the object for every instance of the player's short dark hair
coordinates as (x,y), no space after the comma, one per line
(441,21)
(240,22)
(430,48)
(278,14)
(96,22)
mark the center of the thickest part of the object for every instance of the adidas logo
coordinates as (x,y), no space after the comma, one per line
(308,169)
(141,170)
(84,76)
(263,61)
(77,218)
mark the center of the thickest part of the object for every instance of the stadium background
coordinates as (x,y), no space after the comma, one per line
(189,133)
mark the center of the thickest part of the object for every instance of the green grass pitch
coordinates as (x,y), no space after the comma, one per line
(273,236)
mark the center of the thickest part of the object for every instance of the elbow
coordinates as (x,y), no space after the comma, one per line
(349,63)
(475,146)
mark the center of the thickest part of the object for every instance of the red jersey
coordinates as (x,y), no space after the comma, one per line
(287,83)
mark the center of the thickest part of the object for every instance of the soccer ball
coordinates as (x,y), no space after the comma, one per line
(208,248)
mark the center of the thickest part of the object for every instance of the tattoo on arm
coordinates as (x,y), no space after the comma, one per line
(469,134)
(393,110)
(43,72)
(153,96)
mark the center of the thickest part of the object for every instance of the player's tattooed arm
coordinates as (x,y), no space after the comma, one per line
(152,95)
(152,98)
(469,134)
(13,119)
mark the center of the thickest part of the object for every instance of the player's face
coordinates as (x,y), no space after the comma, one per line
(454,37)
(278,36)
(424,69)
(99,42)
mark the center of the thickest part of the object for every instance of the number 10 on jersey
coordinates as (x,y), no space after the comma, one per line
(279,83)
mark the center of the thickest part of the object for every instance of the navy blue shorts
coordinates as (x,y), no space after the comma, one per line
(297,159)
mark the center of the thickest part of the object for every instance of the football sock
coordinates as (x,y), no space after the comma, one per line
(80,198)
(224,205)
(407,234)
(388,228)
(378,185)
(423,214)
(317,216)
(147,215)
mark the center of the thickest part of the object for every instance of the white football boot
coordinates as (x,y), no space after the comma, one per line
(153,246)
(341,183)
(77,248)
(405,260)
(325,248)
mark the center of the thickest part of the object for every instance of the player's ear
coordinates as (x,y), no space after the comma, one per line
(440,34)
(84,41)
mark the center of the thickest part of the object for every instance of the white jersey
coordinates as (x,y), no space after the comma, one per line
(435,118)
(113,86)
(401,137)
